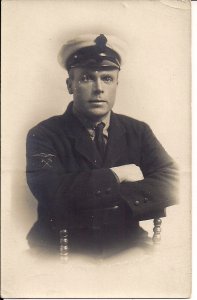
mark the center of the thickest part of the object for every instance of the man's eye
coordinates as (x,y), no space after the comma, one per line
(86,78)
(107,78)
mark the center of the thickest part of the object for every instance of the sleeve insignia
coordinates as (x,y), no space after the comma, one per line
(45,159)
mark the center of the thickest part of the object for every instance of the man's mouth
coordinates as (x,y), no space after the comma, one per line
(97,101)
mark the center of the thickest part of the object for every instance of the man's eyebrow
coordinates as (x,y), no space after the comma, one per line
(87,73)
(92,73)
(108,74)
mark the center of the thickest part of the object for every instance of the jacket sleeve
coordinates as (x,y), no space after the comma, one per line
(59,191)
(149,197)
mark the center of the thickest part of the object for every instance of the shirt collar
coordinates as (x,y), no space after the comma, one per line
(89,125)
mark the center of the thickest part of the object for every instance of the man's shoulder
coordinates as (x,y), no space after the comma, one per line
(129,122)
(52,123)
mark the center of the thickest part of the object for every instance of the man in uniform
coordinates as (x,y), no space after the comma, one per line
(94,172)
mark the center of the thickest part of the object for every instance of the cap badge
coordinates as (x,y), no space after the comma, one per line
(101,41)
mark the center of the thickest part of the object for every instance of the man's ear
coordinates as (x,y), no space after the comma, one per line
(69,85)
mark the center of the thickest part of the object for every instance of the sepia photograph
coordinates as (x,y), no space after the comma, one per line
(96,149)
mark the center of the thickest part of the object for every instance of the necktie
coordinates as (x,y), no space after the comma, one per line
(99,139)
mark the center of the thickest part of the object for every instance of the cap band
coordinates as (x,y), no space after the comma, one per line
(93,56)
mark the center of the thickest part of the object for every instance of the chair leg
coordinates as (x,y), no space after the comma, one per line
(157,230)
(64,247)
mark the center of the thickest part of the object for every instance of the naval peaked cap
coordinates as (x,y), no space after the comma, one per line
(93,51)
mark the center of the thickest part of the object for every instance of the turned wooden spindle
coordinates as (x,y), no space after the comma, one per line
(64,247)
(157,230)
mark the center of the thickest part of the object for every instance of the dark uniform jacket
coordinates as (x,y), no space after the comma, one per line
(77,191)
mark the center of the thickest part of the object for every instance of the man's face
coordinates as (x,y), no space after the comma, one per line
(94,91)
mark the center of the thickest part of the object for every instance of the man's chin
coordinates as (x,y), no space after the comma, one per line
(96,115)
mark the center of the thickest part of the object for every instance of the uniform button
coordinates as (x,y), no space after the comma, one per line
(146,199)
(108,190)
(98,193)
(116,207)
(137,202)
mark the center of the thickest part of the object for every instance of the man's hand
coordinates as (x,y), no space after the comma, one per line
(128,173)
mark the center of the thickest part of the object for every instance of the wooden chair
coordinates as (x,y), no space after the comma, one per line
(157,230)
(64,240)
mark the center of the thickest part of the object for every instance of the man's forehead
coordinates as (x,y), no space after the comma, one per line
(94,70)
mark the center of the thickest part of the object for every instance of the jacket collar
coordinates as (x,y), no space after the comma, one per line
(83,143)
(90,126)
(116,141)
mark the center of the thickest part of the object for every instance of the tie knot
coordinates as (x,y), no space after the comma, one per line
(99,128)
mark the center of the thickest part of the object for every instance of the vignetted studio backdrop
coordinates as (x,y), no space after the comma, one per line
(154,86)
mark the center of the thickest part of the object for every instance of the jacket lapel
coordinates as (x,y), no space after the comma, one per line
(83,144)
(78,133)
(116,146)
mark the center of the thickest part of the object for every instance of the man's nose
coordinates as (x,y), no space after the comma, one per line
(98,86)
